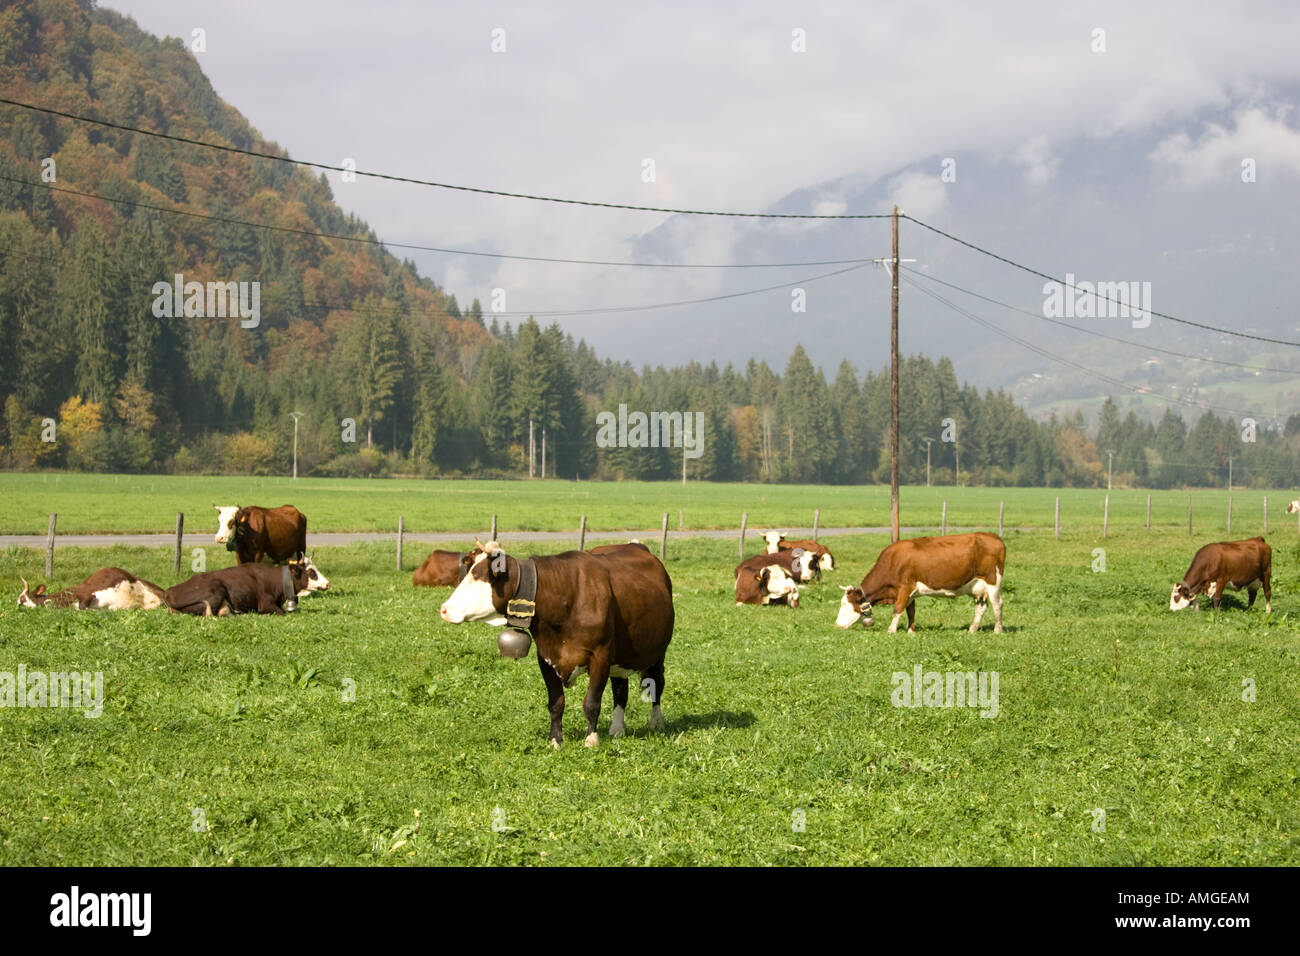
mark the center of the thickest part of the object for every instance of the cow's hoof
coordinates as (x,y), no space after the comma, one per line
(998,629)
(617,726)
(592,740)
(555,744)
(657,719)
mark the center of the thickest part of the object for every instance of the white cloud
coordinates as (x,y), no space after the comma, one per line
(1217,156)
(1039,163)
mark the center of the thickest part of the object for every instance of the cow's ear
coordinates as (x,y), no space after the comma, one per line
(40,589)
(762,577)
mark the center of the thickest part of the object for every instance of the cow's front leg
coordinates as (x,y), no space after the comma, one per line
(901,603)
(911,617)
(554,700)
(597,678)
(617,726)
(1218,592)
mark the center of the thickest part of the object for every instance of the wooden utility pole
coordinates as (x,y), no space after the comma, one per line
(893,384)
(928,443)
(296,416)
(532,449)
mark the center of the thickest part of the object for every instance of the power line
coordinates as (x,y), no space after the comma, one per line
(422,182)
(1044,275)
(1114,338)
(366,240)
(1100,376)
(612,310)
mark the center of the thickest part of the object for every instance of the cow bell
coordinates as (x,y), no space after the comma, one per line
(514,643)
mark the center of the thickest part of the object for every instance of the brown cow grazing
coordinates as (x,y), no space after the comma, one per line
(765,584)
(245,588)
(254,532)
(1223,566)
(609,615)
(440,569)
(824,560)
(930,567)
(109,588)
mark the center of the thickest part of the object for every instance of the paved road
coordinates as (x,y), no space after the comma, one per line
(333,538)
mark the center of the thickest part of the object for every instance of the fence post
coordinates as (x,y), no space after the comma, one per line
(1002,507)
(1266,514)
(1189,514)
(1058,517)
(943,520)
(1229,513)
(744,520)
(663,539)
(180,529)
(681,520)
(49,547)
(1149,512)
(400,530)
(817,517)
(494,528)
(1105,517)
(582,534)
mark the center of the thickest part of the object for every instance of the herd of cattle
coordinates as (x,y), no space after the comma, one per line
(608,611)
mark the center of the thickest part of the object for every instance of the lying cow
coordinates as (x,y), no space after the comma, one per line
(1293,507)
(930,567)
(245,588)
(765,584)
(824,560)
(110,588)
(440,569)
(254,533)
(1226,565)
(609,614)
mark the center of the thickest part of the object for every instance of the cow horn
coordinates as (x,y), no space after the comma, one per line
(26,586)
(846,587)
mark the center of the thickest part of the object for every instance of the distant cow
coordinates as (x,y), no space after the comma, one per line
(765,584)
(798,565)
(245,588)
(930,567)
(1223,566)
(440,569)
(1293,507)
(609,614)
(110,588)
(254,533)
(824,560)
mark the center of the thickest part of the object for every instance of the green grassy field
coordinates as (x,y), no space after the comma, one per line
(442,758)
(132,503)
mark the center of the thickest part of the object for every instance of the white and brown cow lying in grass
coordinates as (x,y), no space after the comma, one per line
(1226,565)
(773,578)
(930,567)
(109,588)
(823,560)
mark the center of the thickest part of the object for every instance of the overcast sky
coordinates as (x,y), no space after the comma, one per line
(735,118)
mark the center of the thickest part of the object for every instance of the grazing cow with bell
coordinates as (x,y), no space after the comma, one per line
(609,615)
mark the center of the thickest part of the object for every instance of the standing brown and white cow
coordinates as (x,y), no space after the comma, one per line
(931,567)
(110,588)
(254,532)
(1226,565)
(609,615)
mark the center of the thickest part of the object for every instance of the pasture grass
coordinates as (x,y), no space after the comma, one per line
(443,757)
(148,503)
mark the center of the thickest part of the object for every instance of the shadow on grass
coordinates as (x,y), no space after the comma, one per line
(716,719)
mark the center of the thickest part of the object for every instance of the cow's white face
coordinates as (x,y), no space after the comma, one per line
(1293,507)
(777,585)
(852,608)
(773,539)
(225,522)
(1180,599)
(25,599)
(315,580)
(472,599)
(804,562)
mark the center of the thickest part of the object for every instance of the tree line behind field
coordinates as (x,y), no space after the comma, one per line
(390,373)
